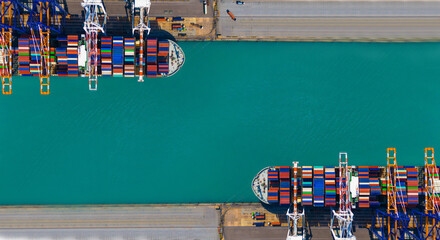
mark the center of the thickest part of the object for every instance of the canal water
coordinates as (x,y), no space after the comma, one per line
(201,135)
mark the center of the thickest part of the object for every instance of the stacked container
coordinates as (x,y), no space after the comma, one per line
(330,187)
(35,56)
(163,68)
(61,53)
(164,48)
(118,56)
(413,185)
(52,57)
(72,55)
(318,186)
(364,187)
(23,57)
(272,195)
(383,185)
(129,59)
(307,178)
(402,197)
(162,57)
(284,185)
(374,186)
(106,56)
(151,58)
(298,182)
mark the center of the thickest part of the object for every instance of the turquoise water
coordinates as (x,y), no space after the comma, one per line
(201,135)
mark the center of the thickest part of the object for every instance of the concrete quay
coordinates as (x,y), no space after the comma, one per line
(260,20)
(228,221)
(279,20)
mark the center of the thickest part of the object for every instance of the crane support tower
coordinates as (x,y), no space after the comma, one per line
(296,232)
(392,224)
(11,20)
(141,24)
(342,220)
(95,21)
(428,221)
(44,17)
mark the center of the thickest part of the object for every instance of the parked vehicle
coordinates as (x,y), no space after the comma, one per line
(231,15)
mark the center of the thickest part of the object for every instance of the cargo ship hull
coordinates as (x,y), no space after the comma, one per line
(318,186)
(117,57)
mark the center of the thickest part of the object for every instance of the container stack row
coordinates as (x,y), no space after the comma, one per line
(23,57)
(106,56)
(292,182)
(413,185)
(402,197)
(118,56)
(318,186)
(164,47)
(61,53)
(72,55)
(129,59)
(284,185)
(52,57)
(330,187)
(272,195)
(374,186)
(383,185)
(151,58)
(35,56)
(364,187)
(307,185)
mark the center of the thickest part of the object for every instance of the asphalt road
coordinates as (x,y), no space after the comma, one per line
(330,19)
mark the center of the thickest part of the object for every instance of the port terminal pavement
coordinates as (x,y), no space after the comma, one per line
(230,221)
(280,20)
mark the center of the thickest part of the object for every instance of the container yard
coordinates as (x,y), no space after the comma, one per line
(35,44)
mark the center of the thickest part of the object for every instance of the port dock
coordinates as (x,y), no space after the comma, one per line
(229,221)
(186,221)
(281,20)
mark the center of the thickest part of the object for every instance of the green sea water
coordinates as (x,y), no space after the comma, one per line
(202,135)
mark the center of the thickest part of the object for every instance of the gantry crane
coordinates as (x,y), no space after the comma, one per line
(95,21)
(342,220)
(392,224)
(44,17)
(11,20)
(428,222)
(140,11)
(293,215)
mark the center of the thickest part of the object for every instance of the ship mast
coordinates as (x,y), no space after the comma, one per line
(292,213)
(343,217)
(141,24)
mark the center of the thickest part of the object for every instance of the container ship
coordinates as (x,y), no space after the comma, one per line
(117,57)
(318,186)
(392,201)
(33,43)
